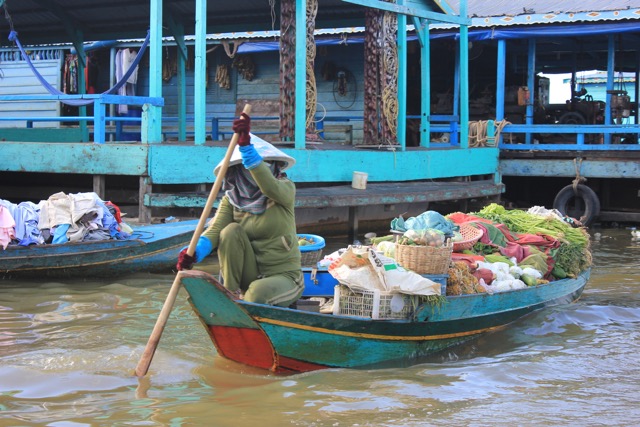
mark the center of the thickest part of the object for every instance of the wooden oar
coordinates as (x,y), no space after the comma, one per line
(154,339)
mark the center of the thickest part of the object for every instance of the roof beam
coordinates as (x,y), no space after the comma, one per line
(445,6)
(72,27)
(177,30)
(420,11)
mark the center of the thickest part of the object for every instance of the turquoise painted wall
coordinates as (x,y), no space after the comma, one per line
(168,164)
(180,164)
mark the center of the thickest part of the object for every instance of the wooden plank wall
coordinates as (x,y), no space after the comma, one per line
(16,78)
(264,87)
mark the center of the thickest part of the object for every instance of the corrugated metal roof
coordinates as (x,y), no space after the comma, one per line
(495,13)
(483,13)
(484,8)
(51,21)
(498,13)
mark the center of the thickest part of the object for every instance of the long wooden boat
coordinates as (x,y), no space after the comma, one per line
(151,248)
(287,340)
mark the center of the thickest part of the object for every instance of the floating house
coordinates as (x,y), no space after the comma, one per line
(398,175)
(379,88)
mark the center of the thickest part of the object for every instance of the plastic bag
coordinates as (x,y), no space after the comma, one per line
(355,269)
(428,219)
(427,237)
(362,268)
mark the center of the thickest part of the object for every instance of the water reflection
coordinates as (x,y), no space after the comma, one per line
(68,350)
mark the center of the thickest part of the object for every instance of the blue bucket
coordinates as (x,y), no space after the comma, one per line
(318,242)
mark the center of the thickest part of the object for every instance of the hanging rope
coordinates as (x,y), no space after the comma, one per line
(231,53)
(478,133)
(372,84)
(287,69)
(7,16)
(272,7)
(13,36)
(390,76)
(577,164)
(311,95)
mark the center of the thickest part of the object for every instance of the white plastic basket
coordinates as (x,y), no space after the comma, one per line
(372,304)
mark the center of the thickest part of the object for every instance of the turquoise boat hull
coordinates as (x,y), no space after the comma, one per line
(289,340)
(151,248)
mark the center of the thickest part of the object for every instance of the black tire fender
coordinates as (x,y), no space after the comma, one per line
(588,196)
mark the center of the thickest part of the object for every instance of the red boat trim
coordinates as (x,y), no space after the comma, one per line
(295,365)
(374,336)
(249,346)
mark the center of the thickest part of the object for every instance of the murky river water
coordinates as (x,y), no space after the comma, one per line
(68,350)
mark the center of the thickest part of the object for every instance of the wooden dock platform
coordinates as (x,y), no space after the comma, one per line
(357,200)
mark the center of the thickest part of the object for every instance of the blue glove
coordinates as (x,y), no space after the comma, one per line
(250,157)
(203,249)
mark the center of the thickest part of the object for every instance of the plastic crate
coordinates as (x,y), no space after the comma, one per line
(373,304)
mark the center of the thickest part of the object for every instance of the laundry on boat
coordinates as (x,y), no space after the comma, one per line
(61,218)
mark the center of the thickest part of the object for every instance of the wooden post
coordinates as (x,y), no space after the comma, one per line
(353,223)
(99,186)
(144,213)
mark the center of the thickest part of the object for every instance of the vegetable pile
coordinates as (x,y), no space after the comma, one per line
(305,241)
(571,256)
(429,237)
(517,248)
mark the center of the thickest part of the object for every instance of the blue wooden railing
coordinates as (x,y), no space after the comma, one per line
(99,118)
(605,133)
(221,125)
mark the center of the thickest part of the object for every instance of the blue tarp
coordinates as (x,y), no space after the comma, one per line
(545,31)
(476,35)
(253,47)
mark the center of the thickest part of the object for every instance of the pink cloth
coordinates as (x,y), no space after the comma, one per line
(515,250)
(461,218)
(7,227)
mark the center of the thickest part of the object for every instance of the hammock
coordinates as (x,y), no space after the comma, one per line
(13,36)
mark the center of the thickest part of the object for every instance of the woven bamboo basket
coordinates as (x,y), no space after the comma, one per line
(470,236)
(310,258)
(312,253)
(424,259)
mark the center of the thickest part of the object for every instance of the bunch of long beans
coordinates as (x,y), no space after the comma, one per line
(573,255)
(519,221)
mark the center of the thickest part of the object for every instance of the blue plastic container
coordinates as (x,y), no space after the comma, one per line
(320,285)
(318,242)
